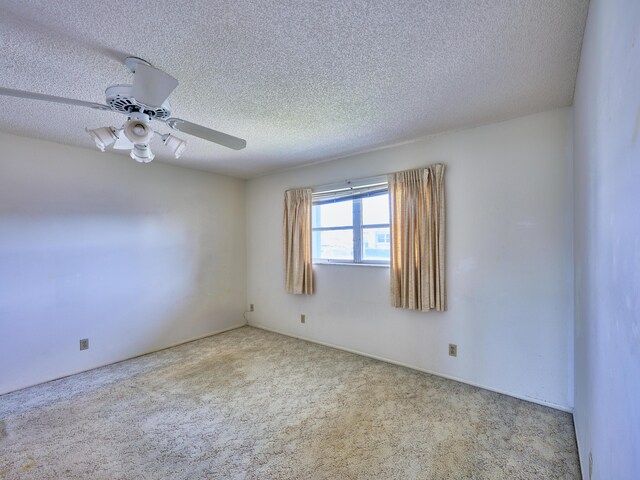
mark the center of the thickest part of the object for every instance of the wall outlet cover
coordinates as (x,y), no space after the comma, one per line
(84,344)
(453,350)
(303,318)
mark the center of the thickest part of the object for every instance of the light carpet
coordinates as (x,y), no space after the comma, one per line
(250,404)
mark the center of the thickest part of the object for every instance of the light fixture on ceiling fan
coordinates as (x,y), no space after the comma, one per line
(176,144)
(135,135)
(103,136)
(142,153)
(143,101)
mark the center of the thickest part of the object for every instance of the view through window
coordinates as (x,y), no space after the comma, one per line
(352,230)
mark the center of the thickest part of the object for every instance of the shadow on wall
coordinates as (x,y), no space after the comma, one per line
(130,283)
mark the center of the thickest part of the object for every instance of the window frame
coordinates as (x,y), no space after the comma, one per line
(357,227)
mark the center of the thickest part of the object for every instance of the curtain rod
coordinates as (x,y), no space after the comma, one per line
(350,184)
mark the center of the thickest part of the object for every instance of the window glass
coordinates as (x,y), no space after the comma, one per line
(333,244)
(338,214)
(354,230)
(375,210)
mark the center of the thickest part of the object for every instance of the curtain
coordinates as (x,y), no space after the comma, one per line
(297,241)
(417,226)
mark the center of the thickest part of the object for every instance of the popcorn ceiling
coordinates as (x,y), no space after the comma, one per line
(300,81)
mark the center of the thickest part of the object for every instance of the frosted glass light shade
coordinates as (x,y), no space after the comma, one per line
(103,136)
(142,153)
(177,145)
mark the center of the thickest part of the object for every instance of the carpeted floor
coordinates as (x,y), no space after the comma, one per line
(249,404)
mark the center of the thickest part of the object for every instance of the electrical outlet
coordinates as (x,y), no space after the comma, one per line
(84,344)
(302,318)
(251,307)
(590,465)
(453,350)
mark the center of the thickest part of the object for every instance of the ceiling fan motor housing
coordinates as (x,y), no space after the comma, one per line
(120,99)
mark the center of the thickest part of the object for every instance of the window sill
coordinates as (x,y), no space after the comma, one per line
(350,264)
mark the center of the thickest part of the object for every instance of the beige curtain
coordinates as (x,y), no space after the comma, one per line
(416,200)
(297,241)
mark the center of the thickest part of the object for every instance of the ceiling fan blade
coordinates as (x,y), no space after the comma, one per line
(51,98)
(208,134)
(122,142)
(152,86)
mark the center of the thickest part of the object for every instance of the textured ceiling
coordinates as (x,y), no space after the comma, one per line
(300,81)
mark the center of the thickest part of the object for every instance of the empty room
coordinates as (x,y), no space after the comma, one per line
(320,240)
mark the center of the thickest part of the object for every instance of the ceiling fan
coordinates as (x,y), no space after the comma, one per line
(142,102)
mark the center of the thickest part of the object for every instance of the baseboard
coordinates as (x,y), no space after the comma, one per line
(181,342)
(413,367)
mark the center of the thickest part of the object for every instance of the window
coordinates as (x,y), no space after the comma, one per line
(353,228)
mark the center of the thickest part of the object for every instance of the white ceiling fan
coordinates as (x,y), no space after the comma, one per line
(145,100)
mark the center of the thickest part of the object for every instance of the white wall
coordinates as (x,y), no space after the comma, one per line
(509,262)
(607,241)
(134,257)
